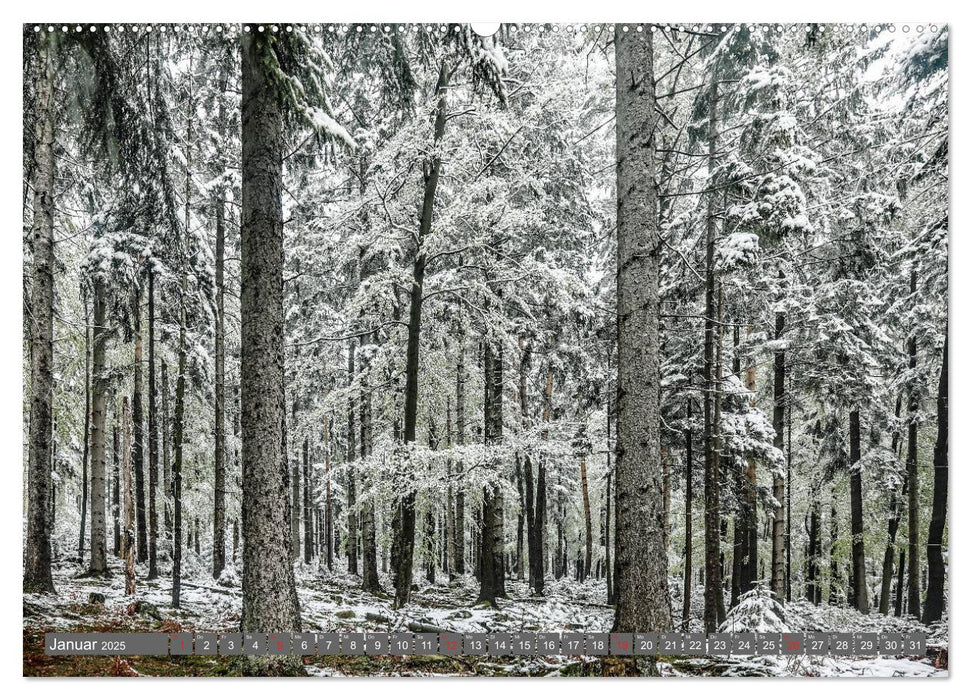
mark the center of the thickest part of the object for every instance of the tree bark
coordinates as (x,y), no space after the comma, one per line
(269,589)
(934,602)
(40,524)
(643,603)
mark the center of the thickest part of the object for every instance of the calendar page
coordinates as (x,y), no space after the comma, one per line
(509,349)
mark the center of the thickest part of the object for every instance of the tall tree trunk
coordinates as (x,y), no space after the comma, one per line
(934,603)
(138,416)
(913,499)
(126,449)
(295,512)
(85,456)
(898,603)
(351,477)
(328,513)
(833,541)
(369,532)
(491,583)
(178,437)
(860,595)
(588,557)
(308,505)
(688,506)
(40,525)
(609,496)
(269,589)
(712,507)
(152,435)
(166,453)
(789,499)
(720,470)
(813,588)
(449,496)
(99,391)
(431,172)
(219,459)
(460,441)
(116,487)
(893,524)
(643,603)
(778,483)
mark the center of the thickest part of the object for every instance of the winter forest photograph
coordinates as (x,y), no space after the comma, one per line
(387,331)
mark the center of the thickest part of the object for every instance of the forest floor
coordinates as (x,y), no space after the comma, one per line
(335,603)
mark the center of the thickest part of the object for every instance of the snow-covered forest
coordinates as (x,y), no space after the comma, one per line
(389,327)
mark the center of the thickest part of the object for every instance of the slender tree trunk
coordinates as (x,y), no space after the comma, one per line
(295,511)
(166,453)
(688,506)
(152,436)
(893,524)
(351,477)
(139,431)
(898,603)
(369,532)
(219,459)
(934,603)
(492,579)
(177,440)
(712,508)
(328,531)
(432,172)
(813,588)
(449,497)
(539,573)
(40,524)
(643,603)
(789,499)
(126,449)
(460,441)
(860,595)
(85,457)
(913,499)
(99,390)
(308,508)
(609,496)
(269,589)
(588,557)
(833,541)
(778,483)
(116,488)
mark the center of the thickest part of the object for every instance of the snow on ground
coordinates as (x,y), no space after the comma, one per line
(333,602)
